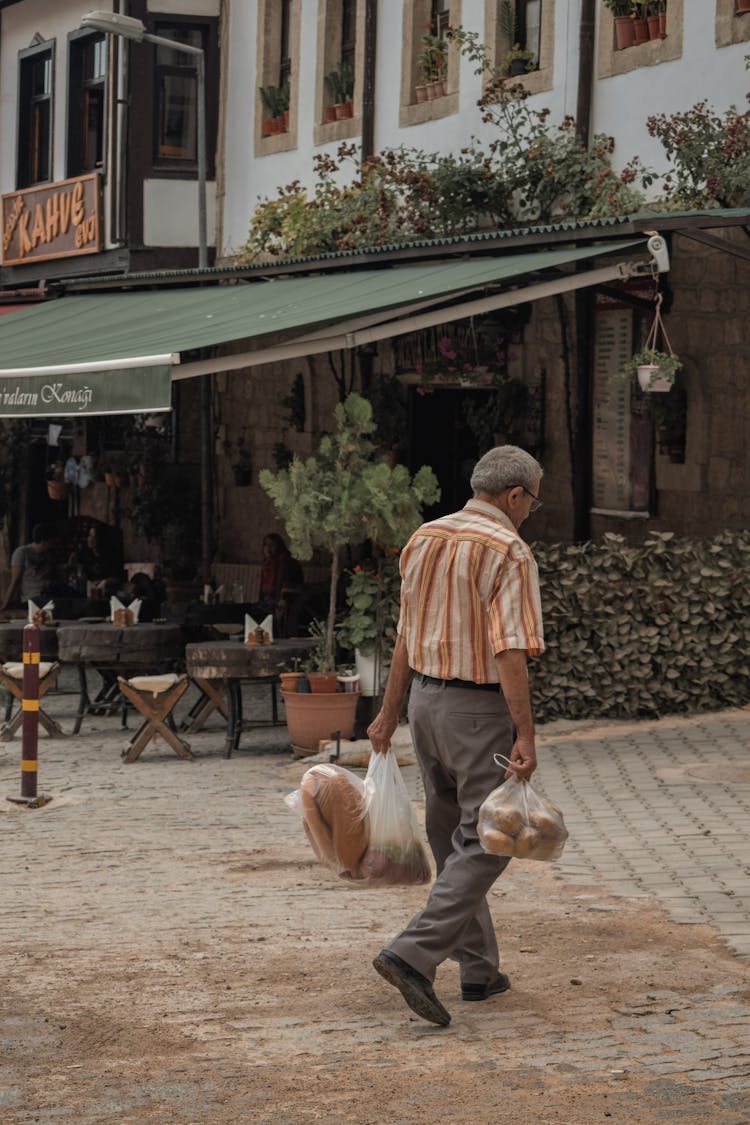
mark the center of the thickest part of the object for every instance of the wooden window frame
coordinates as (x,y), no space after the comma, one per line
(174,164)
(81,88)
(28,154)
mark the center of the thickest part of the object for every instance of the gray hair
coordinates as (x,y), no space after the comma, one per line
(503,467)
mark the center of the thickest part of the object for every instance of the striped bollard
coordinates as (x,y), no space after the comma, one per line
(30,728)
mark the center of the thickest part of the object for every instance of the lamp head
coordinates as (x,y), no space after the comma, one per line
(112,23)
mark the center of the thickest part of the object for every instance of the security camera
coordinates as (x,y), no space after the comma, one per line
(658,250)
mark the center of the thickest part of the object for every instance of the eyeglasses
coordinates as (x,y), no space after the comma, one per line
(536,503)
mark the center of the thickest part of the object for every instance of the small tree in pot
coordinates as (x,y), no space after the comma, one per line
(343,494)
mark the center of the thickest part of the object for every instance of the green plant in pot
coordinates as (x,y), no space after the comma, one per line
(369,626)
(517,61)
(343,494)
(654,370)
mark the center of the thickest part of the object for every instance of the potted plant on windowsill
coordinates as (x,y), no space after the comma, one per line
(432,68)
(622,12)
(343,494)
(517,61)
(340,86)
(275,101)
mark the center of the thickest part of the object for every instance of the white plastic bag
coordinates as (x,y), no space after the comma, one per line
(395,854)
(331,803)
(514,820)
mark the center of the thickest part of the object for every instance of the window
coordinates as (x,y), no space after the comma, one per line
(176,77)
(35,116)
(530,24)
(86,90)
(285,43)
(440,17)
(340,60)
(348,32)
(277,54)
(530,27)
(430,65)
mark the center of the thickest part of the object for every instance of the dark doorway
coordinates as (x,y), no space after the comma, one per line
(441,438)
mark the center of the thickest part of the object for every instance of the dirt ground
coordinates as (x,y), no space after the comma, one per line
(202,977)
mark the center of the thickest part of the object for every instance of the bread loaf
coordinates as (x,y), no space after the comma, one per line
(333,810)
(498,842)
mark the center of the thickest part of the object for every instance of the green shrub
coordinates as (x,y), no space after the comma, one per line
(643,631)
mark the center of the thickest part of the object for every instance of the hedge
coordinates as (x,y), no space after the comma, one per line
(643,631)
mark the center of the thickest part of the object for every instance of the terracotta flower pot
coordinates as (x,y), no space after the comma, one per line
(322,681)
(653,27)
(289,680)
(640,27)
(421,92)
(624,32)
(663,24)
(310,718)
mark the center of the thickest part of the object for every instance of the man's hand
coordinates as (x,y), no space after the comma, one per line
(380,731)
(523,757)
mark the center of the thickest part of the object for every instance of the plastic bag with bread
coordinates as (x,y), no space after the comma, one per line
(514,820)
(395,855)
(331,801)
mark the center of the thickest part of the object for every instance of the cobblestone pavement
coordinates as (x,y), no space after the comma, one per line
(151,872)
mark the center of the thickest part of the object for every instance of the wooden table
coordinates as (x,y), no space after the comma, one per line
(114,650)
(11,640)
(233,663)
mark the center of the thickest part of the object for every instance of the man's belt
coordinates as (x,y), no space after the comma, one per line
(472,684)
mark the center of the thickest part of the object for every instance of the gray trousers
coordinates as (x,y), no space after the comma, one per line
(456,732)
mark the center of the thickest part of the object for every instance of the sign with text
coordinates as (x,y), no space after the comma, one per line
(52,221)
(137,390)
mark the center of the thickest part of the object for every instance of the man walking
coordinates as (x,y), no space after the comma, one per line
(470,617)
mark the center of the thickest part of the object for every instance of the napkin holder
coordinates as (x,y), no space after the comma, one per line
(256,634)
(40,615)
(123,616)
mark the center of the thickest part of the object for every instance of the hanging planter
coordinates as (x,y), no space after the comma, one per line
(655,369)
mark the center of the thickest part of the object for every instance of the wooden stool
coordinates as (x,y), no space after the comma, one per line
(155,697)
(11,678)
(212,698)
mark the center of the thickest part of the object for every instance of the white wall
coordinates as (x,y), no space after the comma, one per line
(621,103)
(170,212)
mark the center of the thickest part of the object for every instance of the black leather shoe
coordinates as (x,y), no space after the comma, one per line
(501,983)
(415,989)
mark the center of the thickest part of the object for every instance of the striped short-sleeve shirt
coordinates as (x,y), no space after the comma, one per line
(469,589)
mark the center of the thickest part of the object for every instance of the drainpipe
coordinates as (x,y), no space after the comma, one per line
(368,79)
(585,70)
(582,417)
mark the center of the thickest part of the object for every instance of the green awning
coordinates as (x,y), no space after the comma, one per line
(116,352)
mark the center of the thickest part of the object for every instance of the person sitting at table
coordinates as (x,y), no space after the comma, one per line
(93,563)
(32,568)
(280,577)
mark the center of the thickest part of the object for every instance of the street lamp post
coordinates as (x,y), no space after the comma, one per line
(112,23)
(127,27)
